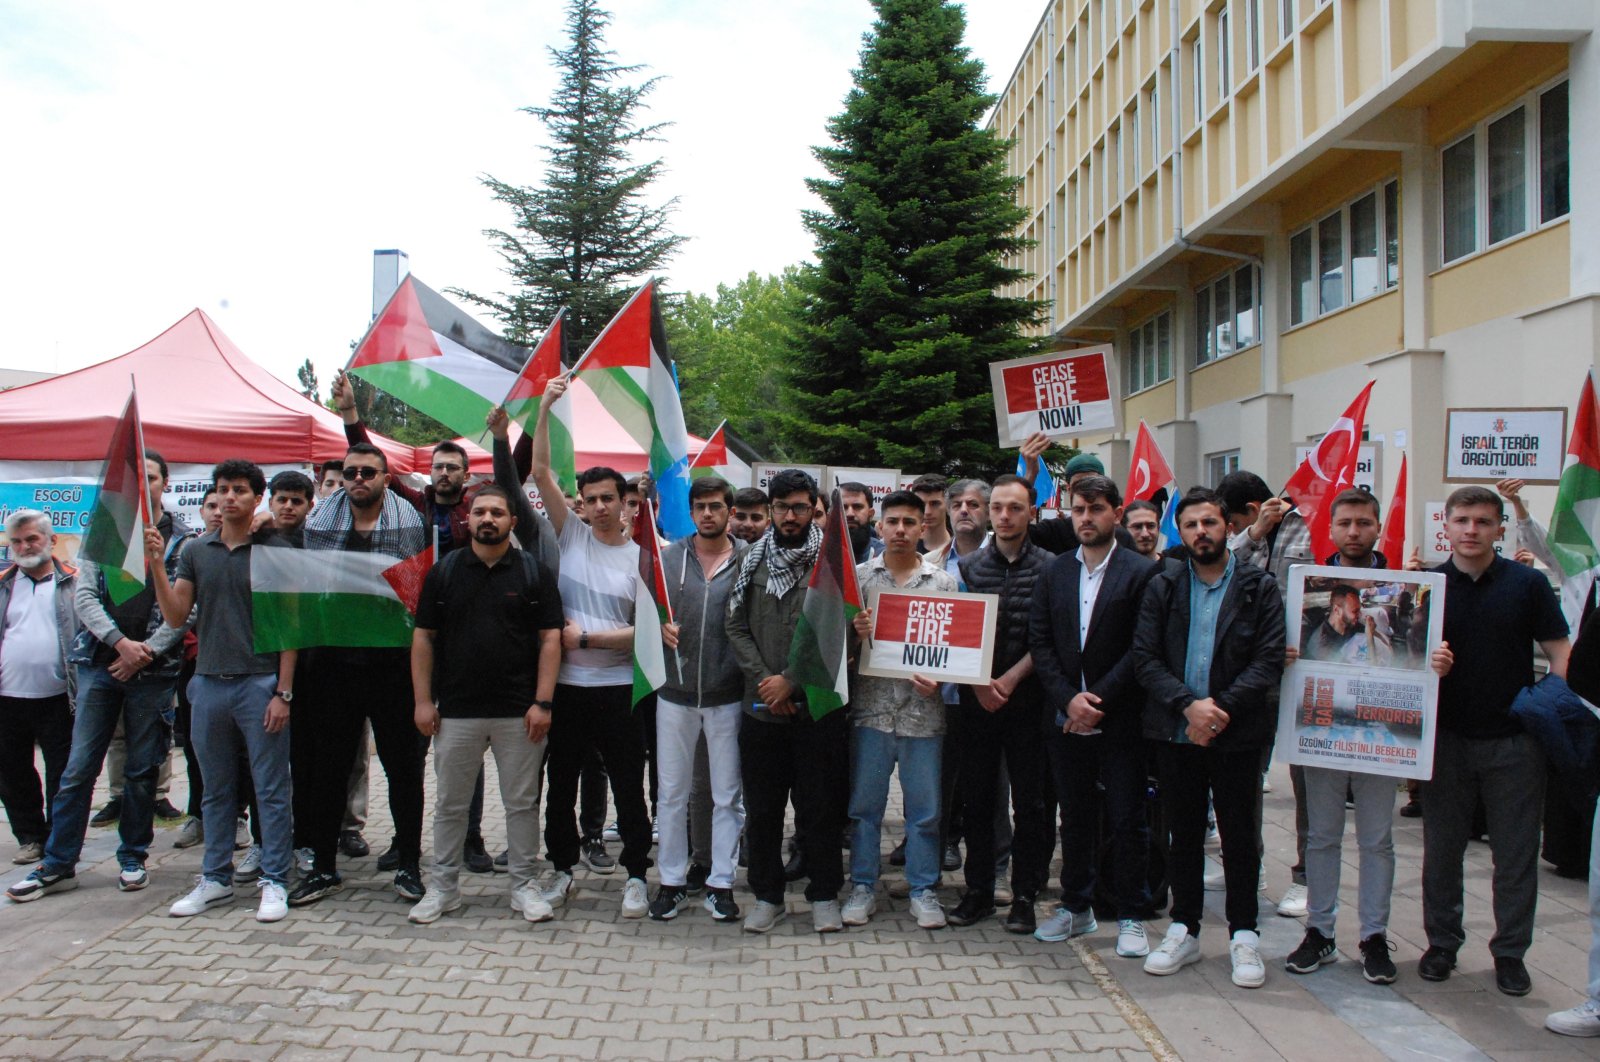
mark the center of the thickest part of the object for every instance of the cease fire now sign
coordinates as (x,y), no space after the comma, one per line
(1067,393)
(938,635)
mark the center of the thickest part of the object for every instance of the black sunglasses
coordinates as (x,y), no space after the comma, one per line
(355,472)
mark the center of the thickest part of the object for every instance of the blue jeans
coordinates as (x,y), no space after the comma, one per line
(873,758)
(229,713)
(145,707)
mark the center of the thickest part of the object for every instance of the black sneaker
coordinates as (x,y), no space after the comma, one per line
(1376,966)
(1511,976)
(1314,951)
(475,857)
(408,883)
(973,908)
(1412,809)
(698,873)
(352,844)
(1021,919)
(41,882)
(108,814)
(1436,964)
(595,857)
(670,899)
(950,859)
(164,809)
(390,859)
(502,862)
(719,904)
(314,886)
(897,858)
(795,868)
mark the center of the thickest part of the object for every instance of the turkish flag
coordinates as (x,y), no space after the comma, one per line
(1149,471)
(1326,471)
(1393,545)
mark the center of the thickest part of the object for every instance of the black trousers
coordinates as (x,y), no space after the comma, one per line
(345,688)
(1012,735)
(1079,764)
(809,759)
(1232,777)
(590,720)
(26,722)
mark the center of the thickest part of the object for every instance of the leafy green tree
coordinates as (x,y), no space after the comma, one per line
(588,235)
(901,313)
(307,375)
(730,350)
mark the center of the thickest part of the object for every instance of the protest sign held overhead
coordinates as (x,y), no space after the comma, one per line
(943,636)
(1485,444)
(1067,393)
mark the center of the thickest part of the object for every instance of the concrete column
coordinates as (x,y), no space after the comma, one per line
(1266,445)
(1419,234)
(1583,94)
(1274,301)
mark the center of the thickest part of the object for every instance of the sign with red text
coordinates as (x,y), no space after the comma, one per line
(1489,444)
(1067,393)
(947,637)
(880,482)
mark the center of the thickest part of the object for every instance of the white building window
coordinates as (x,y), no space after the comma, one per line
(1252,33)
(1346,256)
(1220,465)
(1508,176)
(1149,355)
(1227,315)
(1285,18)
(1199,81)
(1224,51)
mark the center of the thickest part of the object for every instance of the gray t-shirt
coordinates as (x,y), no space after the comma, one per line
(223,621)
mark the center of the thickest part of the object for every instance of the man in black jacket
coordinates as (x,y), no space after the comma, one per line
(1080,632)
(1208,650)
(1003,718)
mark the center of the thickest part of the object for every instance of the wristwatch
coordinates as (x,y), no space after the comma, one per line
(546,705)
(583,640)
(286,696)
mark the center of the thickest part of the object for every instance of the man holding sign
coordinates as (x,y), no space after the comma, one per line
(898,720)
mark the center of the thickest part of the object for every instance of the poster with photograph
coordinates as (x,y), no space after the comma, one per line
(939,635)
(1362,695)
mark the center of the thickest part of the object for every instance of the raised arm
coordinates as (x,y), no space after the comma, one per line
(555,505)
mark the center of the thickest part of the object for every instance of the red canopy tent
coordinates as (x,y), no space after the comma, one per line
(200,398)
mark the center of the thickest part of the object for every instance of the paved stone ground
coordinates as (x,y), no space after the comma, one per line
(98,974)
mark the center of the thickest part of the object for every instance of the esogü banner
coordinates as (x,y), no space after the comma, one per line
(948,637)
(1067,393)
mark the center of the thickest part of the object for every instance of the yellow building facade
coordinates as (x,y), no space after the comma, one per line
(1262,204)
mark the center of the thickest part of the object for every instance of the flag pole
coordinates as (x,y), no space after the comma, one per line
(646,286)
(695,460)
(138,428)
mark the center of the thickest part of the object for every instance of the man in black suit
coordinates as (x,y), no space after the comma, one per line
(1081,630)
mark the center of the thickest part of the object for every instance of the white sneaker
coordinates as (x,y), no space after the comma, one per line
(304,860)
(763,916)
(1064,925)
(1266,786)
(611,833)
(635,899)
(1583,1020)
(249,868)
(31,852)
(532,904)
(434,904)
(1245,951)
(1215,880)
(206,894)
(274,903)
(190,834)
(555,886)
(1294,902)
(241,835)
(929,911)
(1176,950)
(825,917)
(860,905)
(1131,940)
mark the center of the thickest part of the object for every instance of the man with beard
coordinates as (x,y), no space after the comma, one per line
(490,601)
(856,498)
(782,749)
(1208,648)
(1143,522)
(348,686)
(750,515)
(1345,636)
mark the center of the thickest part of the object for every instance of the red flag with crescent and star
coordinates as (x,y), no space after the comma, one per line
(1148,472)
(1327,470)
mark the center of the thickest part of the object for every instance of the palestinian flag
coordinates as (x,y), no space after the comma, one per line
(630,370)
(652,607)
(712,455)
(436,359)
(1574,535)
(115,541)
(548,361)
(821,638)
(1393,543)
(311,597)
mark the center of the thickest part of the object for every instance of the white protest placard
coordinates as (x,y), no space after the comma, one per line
(1528,444)
(1369,464)
(880,482)
(1363,695)
(944,636)
(1435,546)
(761,473)
(1067,393)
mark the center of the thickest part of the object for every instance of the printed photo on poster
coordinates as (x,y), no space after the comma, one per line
(948,637)
(1361,695)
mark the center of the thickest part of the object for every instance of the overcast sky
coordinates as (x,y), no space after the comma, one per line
(248,160)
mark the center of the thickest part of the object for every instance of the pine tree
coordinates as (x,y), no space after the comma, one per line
(587,236)
(901,314)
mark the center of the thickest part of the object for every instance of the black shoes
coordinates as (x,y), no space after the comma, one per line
(1021,919)
(408,883)
(164,809)
(897,858)
(108,814)
(1436,964)
(595,857)
(795,868)
(1315,950)
(719,904)
(670,899)
(696,883)
(1376,966)
(1412,809)
(390,860)
(1511,976)
(950,859)
(352,844)
(973,908)
(314,886)
(475,857)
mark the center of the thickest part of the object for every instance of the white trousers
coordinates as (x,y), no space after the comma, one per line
(678,730)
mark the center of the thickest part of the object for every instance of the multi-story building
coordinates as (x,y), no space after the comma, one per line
(1262,204)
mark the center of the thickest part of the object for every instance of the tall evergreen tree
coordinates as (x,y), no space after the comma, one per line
(901,314)
(587,236)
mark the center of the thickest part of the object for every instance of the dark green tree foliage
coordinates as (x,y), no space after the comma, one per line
(307,375)
(587,236)
(901,315)
(730,350)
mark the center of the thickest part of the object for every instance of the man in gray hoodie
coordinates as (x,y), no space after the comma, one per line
(702,697)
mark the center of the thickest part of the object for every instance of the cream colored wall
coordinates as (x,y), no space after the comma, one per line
(1154,406)
(1226,380)
(1514,277)
(1349,336)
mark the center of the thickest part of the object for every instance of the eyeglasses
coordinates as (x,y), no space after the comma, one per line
(355,472)
(802,510)
(448,467)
